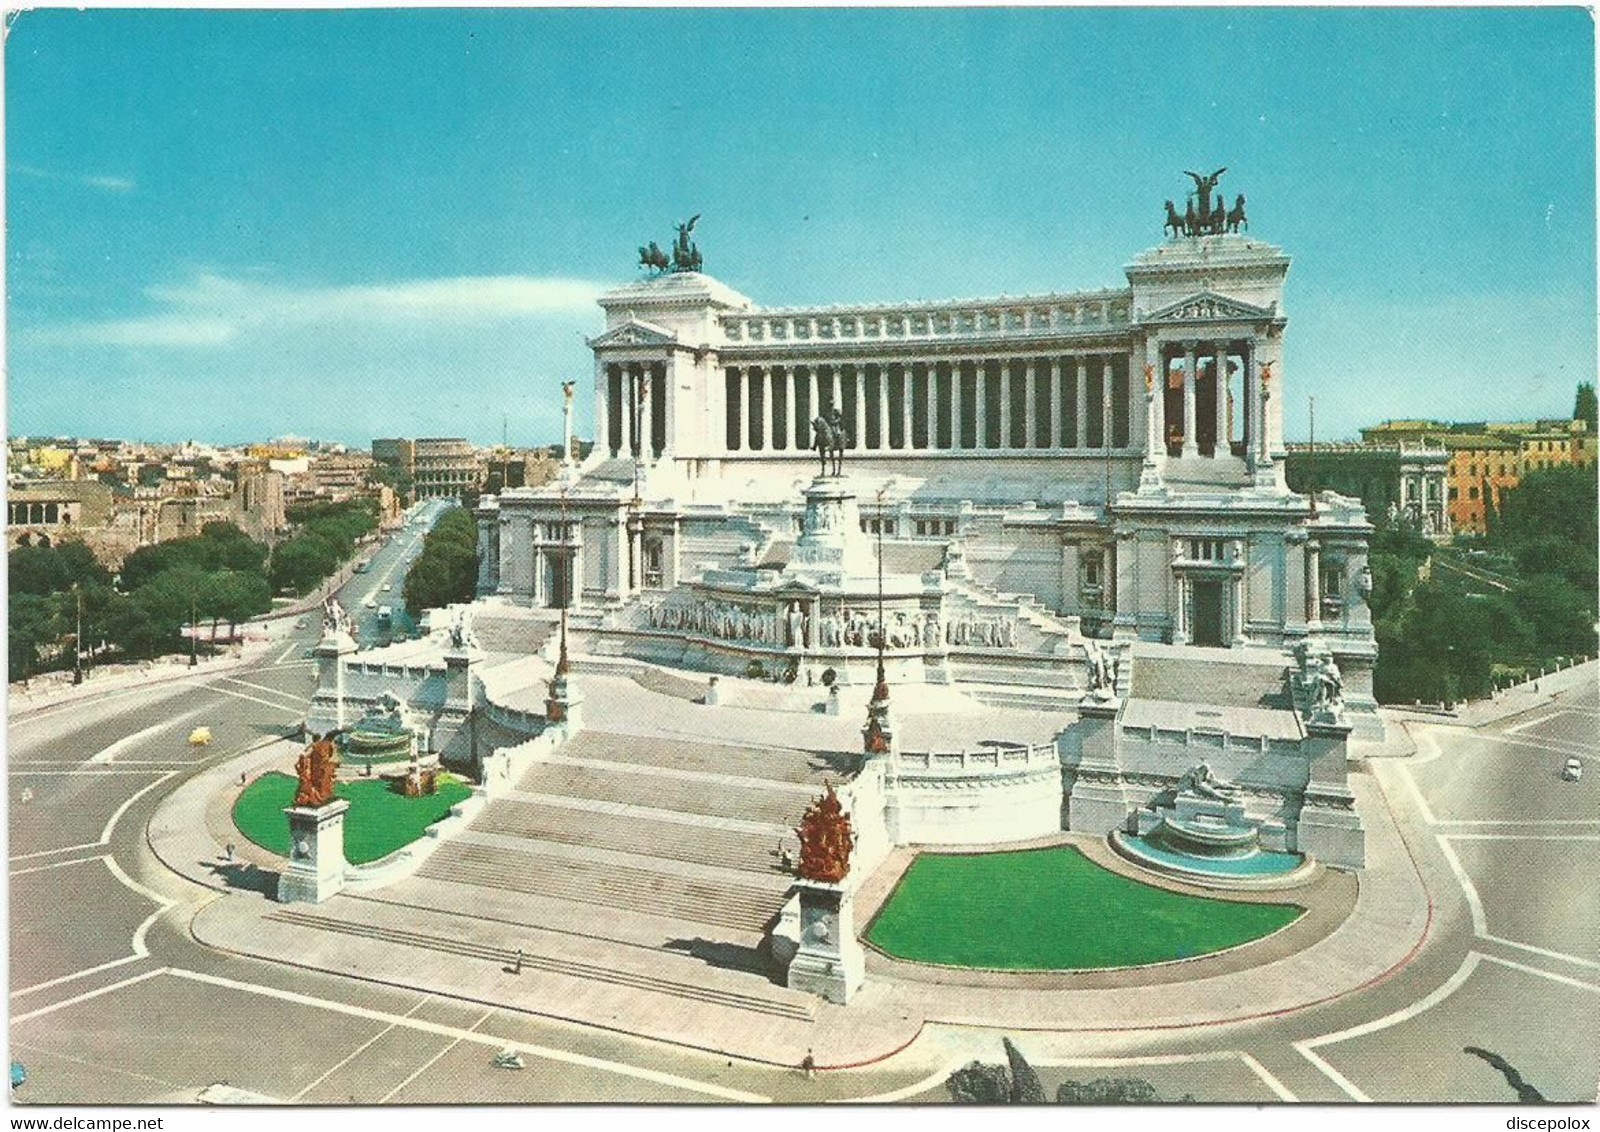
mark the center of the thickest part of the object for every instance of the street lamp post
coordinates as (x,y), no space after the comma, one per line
(194,658)
(77,638)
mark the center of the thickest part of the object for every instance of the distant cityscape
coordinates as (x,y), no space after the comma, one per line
(116,496)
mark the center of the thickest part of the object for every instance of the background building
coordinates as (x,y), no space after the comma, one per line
(1389,479)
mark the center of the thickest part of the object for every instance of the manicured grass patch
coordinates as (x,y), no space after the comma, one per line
(378,822)
(1054,909)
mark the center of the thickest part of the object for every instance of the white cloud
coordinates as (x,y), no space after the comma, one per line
(105,182)
(210,309)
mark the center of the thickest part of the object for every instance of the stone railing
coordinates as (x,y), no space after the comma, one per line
(1095,311)
(998,758)
(1208,739)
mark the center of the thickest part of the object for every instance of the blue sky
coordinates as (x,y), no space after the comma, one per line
(233,225)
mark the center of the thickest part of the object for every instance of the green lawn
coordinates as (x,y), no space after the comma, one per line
(1054,909)
(378,822)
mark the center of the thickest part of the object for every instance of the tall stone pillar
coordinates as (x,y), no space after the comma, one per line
(1005,403)
(813,405)
(1236,609)
(788,409)
(837,377)
(602,410)
(1313,585)
(763,437)
(907,387)
(1220,360)
(859,429)
(955,404)
(931,405)
(1190,445)
(980,405)
(540,594)
(625,414)
(1055,403)
(1080,427)
(669,407)
(1180,635)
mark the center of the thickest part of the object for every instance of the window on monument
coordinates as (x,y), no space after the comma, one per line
(652,563)
(1472,493)
(1119,403)
(1016,385)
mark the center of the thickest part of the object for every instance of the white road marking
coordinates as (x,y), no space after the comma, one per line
(362,1048)
(106,754)
(1307,1048)
(255,700)
(549,1054)
(83,771)
(1543,974)
(1558,713)
(1416,794)
(263,688)
(284,655)
(86,996)
(105,834)
(1510,821)
(1480,921)
(55,852)
(426,1065)
(1526,836)
(1261,1071)
(56,865)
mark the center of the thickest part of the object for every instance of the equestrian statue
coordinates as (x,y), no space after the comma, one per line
(831,438)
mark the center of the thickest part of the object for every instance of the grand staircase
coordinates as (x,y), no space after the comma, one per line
(633,864)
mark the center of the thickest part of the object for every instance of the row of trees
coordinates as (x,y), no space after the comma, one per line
(1447,620)
(326,537)
(447,569)
(222,576)
(63,601)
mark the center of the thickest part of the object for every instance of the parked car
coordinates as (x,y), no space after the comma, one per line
(1573,770)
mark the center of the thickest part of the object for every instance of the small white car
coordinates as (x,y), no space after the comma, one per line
(387,586)
(370,603)
(1573,770)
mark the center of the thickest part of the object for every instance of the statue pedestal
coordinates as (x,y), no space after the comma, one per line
(831,544)
(830,962)
(316,853)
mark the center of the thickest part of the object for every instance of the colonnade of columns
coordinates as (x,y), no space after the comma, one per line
(1078,401)
(636,409)
(1199,409)
(36,514)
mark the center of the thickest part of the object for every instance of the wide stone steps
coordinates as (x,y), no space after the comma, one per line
(650,981)
(682,795)
(707,758)
(713,902)
(630,833)
(510,634)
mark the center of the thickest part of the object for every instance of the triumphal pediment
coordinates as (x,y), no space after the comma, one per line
(1208,306)
(634,333)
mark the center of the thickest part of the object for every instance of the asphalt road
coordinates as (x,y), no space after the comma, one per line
(112,1001)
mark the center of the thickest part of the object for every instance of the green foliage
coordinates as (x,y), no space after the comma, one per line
(327,537)
(379,821)
(447,569)
(53,569)
(35,624)
(1585,407)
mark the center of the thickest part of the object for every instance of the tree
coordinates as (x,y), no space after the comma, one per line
(54,569)
(34,622)
(447,569)
(1586,407)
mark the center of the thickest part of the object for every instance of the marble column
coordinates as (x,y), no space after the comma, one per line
(764,421)
(836,378)
(1005,403)
(669,408)
(860,426)
(1080,427)
(1190,447)
(1180,635)
(1236,610)
(932,403)
(907,437)
(813,403)
(1313,585)
(788,408)
(1221,361)
(955,405)
(602,413)
(1055,403)
(980,373)
(625,415)
(646,414)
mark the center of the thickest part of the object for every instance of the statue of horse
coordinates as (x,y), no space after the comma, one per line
(1174,222)
(830,439)
(1191,223)
(1236,216)
(653,257)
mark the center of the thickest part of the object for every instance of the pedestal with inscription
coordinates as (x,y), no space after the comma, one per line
(316,853)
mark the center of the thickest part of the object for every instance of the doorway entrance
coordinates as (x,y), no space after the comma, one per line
(1206,617)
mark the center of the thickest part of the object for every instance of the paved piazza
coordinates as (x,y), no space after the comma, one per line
(114,1000)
